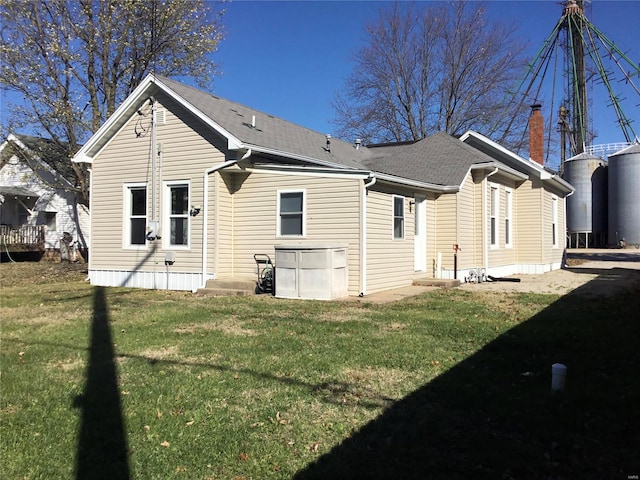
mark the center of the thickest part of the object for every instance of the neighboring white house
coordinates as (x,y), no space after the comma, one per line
(37,204)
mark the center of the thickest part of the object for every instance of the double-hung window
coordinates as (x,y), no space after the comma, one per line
(398,217)
(508,208)
(494,199)
(291,206)
(136,215)
(177,211)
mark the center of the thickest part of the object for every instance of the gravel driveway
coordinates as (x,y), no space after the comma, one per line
(590,272)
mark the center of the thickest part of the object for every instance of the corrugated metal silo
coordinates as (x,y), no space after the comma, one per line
(624,196)
(587,207)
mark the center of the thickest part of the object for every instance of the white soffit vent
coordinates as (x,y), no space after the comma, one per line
(161,116)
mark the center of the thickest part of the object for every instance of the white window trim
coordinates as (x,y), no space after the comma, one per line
(393,218)
(166,220)
(126,215)
(554,221)
(508,215)
(304,212)
(494,212)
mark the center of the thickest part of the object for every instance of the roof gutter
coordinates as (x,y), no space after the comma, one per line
(205,203)
(512,173)
(432,187)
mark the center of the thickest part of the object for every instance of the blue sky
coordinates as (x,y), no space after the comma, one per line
(289,58)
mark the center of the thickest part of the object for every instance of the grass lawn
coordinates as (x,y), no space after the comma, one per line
(132,384)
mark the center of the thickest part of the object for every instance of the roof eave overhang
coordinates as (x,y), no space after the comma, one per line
(529,166)
(504,170)
(310,170)
(147,88)
(287,155)
(430,187)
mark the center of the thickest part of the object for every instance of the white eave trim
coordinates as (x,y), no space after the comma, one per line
(310,171)
(233,142)
(431,187)
(83,155)
(528,165)
(509,172)
(86,154)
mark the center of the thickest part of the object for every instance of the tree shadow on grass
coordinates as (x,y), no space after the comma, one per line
(493,416)
(102,451)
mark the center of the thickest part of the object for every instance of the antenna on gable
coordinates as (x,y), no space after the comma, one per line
(153,36)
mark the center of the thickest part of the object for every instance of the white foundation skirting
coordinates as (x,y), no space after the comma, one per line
(506,270)
(160,280)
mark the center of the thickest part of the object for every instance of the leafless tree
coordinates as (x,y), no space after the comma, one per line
(443,67)
(73,61)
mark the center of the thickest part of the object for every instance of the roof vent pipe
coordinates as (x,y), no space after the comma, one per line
(358,143)
(253,121)
(328,149)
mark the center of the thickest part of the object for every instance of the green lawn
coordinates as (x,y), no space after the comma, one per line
(130,384)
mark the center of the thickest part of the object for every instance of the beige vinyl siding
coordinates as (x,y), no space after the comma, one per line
(481,229)
(127,159)
(332,213)
(390,262)
(220,230)
(546,237)
(553,254)
(528,223)
(447,220)
(432,232)
(466,236)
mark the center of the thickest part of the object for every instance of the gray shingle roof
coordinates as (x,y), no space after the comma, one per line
(52,153)
(270,132)
(439,159)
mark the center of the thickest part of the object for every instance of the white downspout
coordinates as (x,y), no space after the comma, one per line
(205,205)
(154,174)
(485,244)
(363,238)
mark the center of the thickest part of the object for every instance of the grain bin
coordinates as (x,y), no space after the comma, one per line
(587,207)
(624,196)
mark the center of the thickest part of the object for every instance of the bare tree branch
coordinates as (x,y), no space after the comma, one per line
(73,62)
(426,69)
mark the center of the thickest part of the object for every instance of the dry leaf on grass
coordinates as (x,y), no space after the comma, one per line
(165,444)
(281,420)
